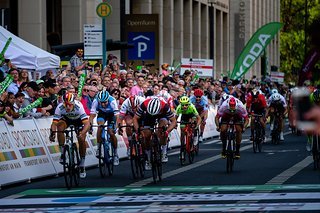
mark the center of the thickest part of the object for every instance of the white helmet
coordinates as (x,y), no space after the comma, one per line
(276,97)
(274,91)
(154,106)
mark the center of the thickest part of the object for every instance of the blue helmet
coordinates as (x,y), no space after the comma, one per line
(103,96)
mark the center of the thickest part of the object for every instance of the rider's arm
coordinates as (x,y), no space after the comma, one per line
(216,120)
(172,124)
(136,122)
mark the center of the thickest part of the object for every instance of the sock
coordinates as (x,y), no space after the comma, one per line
(237,147)
(82,161)
(164,149)
(61,148)
(148,154)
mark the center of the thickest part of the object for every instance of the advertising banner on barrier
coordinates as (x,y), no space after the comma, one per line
(211,128)
(11,167)
(26,139)
(43,124)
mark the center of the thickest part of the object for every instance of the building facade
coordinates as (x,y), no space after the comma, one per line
(208,29)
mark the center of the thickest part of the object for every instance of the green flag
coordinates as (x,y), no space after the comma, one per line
(82,80)
(31,106)
(254,48)
(4,50)
(4,84)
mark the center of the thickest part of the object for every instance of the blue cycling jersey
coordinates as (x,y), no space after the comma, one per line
(203,102)
(112,106)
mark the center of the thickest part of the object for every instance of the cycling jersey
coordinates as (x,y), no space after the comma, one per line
(126,107)
(281,102)
(112,106)
(257,105)
(190,110)
(200,106)
(148,119)
(240,111)
(77,113)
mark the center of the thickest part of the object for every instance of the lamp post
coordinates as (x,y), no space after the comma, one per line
(211,24)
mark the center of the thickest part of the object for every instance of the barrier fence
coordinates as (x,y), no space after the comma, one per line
(26,152)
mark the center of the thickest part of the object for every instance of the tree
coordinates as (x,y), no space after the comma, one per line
(293,43)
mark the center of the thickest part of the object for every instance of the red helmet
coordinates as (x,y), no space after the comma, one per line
(232,103)
(198,92)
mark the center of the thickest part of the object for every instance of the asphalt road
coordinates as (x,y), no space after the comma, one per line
(279,178)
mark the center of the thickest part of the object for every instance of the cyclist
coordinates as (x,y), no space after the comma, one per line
(107,108)
(231,109)
(167,98)
(201,103)
(257,104)
(127,111)
(71,112)
(188,114)
(224,97)
(151,110)
(276,102)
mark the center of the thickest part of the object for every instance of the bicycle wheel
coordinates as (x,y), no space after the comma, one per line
(102,164)
(67,168)
(315,153)
(190,149)
(182,154)
(75,164)
(159,162)
(260,139)
(197,146)
(255,141)
(110,156)
(134,160)
(230,156)
(154,164)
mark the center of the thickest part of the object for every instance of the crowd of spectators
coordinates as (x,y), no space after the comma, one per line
(121,81)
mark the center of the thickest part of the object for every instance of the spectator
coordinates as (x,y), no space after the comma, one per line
(17,105)
(93,90)
(24,76)
(77,63)
(48,76)
(4,114)
(66,81)
(116,94)
(130,83)
(50,94)
(29,97)
(138,89)
(14,86)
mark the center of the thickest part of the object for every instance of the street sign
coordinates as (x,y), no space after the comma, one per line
(144,46)
(92,41)
(104,10)
(204,67)
(277,77)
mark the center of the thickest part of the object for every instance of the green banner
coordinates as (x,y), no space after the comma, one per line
(31,106)
(4,50)
(254,48)
(4,84)
(82,80)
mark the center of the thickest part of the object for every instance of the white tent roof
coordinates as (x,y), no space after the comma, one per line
(25,55)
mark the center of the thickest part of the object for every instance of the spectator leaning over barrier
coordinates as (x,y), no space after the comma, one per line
(29,97)
(4,114)
(19,98)
(14,86)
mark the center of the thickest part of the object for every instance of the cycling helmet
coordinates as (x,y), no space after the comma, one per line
(316,96)
(184,100)
(232,104)
(68,98)
(154,106)
(274,91)
(103,96)
(135,101)
(198,92)
(276,97)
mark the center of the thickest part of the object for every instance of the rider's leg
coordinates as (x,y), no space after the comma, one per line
(223,136)
(252,127)
(281,127)
(61,126)
(238,137)
(163,138)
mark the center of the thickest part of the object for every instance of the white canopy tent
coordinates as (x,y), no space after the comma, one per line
(25,55)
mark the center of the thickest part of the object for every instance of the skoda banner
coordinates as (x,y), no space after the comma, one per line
(254,48)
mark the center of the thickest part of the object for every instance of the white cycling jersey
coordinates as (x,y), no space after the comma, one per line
(76,113)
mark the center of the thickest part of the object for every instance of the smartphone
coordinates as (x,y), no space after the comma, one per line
(302,104)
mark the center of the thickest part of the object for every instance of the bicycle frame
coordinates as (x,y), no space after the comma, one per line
(257,134)
(276,128)
(188,147)
(230,146)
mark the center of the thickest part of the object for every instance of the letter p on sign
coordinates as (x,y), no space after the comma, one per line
(142,46)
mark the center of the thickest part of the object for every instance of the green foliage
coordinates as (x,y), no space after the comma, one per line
(292,45)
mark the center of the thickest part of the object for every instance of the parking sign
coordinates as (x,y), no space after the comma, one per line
(144,46)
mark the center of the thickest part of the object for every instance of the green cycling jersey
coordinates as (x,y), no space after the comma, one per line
(191,110)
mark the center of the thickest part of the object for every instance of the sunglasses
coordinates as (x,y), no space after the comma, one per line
(104,102)
(185,105)
(198,96)
(85,90)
